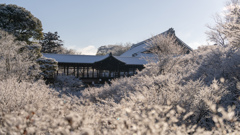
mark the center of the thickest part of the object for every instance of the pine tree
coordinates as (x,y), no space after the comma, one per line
(51,43)
(20,22)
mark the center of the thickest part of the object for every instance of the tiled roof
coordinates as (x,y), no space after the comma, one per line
(90,59)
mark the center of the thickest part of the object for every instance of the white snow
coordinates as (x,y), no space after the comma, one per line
(90,59)
(64,58)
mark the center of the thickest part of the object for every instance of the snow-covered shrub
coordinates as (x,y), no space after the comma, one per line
(46,113)
(68,83)
(16,95)
(17,58)
(207,74)
(197,94)
(48,66)
(34,108)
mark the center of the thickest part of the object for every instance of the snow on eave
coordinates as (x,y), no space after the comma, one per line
(66,58)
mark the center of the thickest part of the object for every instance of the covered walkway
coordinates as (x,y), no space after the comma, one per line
(97,69)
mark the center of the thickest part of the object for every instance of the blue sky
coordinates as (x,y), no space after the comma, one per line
(85,25)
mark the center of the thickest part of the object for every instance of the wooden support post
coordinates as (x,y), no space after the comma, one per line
(100,73)
(87,72)
(77,71)
(97,73)
(64,69)
(67,70)
(74,70)
(83,72)
(92,72)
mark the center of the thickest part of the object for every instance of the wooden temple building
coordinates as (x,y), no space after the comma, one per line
(93,69)
(97,69)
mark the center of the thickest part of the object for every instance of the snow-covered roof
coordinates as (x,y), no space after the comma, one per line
(139,48)
(135,50)
(132,60)
(65,58)
(90,59)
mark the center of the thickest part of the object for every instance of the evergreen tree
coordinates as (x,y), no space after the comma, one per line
(51,43)
(20,22)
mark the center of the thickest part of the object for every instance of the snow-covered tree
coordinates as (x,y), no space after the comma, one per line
(20,22)
(227,28)
(232,25)
(216,34)
(17,58)
(51,43)
(164,48)
(48,67)
(163,45)
(63,50)
(116,50)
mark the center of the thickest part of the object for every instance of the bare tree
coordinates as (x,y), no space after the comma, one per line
(216,33)
(165,48)
(227,28)
(163,45)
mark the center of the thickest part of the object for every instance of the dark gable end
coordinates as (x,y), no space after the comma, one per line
(109,63)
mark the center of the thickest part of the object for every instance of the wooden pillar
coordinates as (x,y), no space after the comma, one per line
(92,72)
(77,71)
(74,70)
(83,72)
(67,69)
(64,69)
(100,73)
(87,72)
(97,73)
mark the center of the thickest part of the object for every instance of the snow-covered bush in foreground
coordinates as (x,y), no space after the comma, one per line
(207,74)
(15,95)
(65,115)
(186,99)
